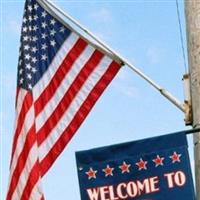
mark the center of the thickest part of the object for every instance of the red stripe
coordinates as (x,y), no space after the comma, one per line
(59,75)
(32,180)
(27,103)
(58,147)
(69,96)
(42,198)
(30,140)
(17,93)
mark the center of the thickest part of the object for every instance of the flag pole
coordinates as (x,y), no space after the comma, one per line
(52,8)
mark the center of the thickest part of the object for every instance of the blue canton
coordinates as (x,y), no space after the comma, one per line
(41,38)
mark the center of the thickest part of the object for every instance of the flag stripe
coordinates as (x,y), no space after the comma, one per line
(27,102)
(69,96)
(33,178)
(16,98)
(21,93)
(68,133)
(64,86)
(29,160)
(59,75)
(37,192)
(21,161)
(74,107)
(28,125)
(57,61)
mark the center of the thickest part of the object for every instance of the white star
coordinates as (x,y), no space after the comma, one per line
(52,32)
(62,29)
(44,46)
(34,70)
(28,66)
(30,86)
(24,29)
(27,56)
(44,24)
(20,61)
(30,28)
(30,8)
(44,35)
(44,57)
(34,39)
(21,71)
(30,18)
(25,38)
(29,76)
(34,60)
(21,81)
(35,17)
(34,49)
(24,20)
(44,14)
(52,21)
(36,6)
(35,28)
(26,47)
(52,43)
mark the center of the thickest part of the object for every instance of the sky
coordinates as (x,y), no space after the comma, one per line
(144,32)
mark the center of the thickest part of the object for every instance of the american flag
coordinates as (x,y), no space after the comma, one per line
(60,77)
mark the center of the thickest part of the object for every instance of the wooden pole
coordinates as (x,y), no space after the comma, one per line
(192,12)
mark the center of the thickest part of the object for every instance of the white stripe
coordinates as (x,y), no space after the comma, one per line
(28,122)
(20,100)
(69,114)
(57,61)
(64,86)
(37,192)
(31,160)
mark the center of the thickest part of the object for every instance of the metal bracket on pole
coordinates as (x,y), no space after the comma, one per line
(187,103)
(54,9)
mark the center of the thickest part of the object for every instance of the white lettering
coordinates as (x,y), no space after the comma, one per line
(170,179)
(132,189)
(119,191)
(112,194)
(93,193)
(103,192)
(179,178)
(153,181)
(143,186)
(175,178)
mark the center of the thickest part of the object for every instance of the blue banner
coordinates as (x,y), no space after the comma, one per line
(151,169)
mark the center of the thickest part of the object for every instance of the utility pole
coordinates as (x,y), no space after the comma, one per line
(192,12)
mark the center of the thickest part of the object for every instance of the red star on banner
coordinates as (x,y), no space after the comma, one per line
(158,160)
(175,157)
(108,171)
(91,173)
(125,167)
(141,164)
